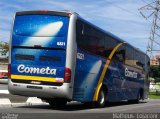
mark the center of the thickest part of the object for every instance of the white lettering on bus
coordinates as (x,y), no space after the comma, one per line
(61,43)
(80,56)
(130,73)
(23,69)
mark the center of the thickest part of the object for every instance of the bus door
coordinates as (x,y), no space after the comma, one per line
(118,73)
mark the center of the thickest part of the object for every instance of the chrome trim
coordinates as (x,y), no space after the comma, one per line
(71,51)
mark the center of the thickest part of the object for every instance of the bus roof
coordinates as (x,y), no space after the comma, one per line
(61,13)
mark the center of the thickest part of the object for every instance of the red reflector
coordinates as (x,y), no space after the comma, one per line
(42,11)
(69,14)
(9,71)
(37,46)
(67,76)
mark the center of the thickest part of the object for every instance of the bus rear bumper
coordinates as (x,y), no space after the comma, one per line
(29,90)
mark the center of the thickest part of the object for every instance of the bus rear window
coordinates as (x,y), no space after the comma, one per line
(40,25)
(50,58)
(24,57)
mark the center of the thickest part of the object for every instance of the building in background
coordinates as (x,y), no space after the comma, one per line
(155,60)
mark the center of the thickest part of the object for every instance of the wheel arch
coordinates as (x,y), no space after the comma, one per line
(105,88)
(141,91)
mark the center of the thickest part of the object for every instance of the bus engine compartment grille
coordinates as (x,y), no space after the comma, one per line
(78,93)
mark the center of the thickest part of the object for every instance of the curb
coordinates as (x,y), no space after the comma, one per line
(34,100)
(4,91)
(5,102)
(18,104)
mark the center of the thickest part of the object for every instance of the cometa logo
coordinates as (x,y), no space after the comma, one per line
(130,73)
(33,70)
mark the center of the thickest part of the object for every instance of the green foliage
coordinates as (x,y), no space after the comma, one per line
(155,73)
(5,47)
(153,95)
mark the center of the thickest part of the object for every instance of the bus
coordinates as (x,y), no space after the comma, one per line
(58,57)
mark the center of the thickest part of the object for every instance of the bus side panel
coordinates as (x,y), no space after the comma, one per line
(120,86)
(87,73)
(113,81)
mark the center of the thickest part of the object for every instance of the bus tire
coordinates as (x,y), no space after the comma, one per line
(89,104)
(101,99)
(57,102)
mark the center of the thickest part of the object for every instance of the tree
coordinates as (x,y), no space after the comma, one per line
(155,73)
(4,46)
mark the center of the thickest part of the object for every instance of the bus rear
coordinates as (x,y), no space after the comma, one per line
(40,63)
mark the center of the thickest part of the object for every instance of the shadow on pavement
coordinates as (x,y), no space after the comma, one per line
(78,106)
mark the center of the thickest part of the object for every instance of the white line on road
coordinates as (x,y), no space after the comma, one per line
(4,92)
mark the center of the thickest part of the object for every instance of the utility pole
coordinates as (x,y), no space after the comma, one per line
(148,11)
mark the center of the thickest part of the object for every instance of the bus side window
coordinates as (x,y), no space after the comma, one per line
(139,59)
(79,38)
(109,45)
(129,57)
(120,54)
(100,44)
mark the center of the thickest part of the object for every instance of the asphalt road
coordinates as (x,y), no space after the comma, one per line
(76,110)
(79,111)
(13,98)
(3,87)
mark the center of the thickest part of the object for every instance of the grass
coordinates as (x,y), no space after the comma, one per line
(153,95)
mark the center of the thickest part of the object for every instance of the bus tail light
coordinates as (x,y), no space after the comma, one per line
(67,77)
(9,71)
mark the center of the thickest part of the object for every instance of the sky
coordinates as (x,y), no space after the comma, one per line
(120,17)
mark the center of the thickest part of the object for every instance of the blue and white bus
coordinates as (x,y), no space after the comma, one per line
(58,56)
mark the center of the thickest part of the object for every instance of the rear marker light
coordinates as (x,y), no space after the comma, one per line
(9,71)
(69,14)
(37,46)
(67,77)
(42,11)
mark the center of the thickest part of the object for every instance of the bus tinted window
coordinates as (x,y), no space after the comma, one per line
(129,60)
(50,58)
(88,38)
(24,57)
(110,43)
(97,42)
(139,59)
(120,54)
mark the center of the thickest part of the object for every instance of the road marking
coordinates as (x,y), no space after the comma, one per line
(4,92)
(5,102)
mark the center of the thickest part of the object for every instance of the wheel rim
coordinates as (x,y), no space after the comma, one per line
(101,101)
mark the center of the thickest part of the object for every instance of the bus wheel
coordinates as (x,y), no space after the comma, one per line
(57,102)
(89,104)
(101,99)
